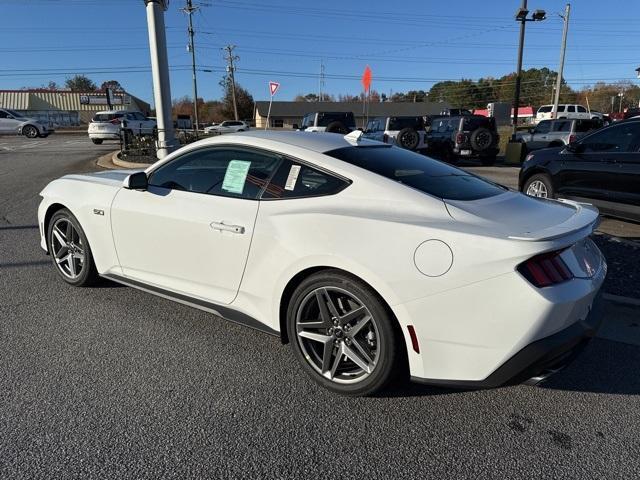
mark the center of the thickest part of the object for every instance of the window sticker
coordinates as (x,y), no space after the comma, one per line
(235,176)
(292,178)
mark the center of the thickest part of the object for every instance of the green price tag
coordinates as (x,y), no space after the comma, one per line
(235,176)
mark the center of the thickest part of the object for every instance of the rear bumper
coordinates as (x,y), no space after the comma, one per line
(539,359)
(104,135)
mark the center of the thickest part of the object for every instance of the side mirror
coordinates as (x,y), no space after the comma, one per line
(136,181)
(576,147)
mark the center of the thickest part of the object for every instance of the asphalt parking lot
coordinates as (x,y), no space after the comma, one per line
(110,382)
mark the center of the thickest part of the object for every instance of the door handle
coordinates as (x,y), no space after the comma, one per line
(223,227)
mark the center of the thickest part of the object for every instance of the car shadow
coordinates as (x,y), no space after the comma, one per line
(604,367)
(19,227)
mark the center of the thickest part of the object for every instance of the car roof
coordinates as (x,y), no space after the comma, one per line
(112,111)
(315,141)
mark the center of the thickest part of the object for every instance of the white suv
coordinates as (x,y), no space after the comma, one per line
(564,111)
(108,124)
(228,126)
(406,132)
(13,122)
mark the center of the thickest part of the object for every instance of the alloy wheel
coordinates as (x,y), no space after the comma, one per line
(338,335)
(67,248)
(538,189)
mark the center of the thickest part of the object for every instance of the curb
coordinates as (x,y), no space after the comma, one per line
(112,162)
(629,301)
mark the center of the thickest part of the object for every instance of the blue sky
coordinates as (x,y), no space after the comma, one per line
(408,44)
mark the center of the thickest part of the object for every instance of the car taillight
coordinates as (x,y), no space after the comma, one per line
(459,137)
(545,270)
(572,138)
(115,121)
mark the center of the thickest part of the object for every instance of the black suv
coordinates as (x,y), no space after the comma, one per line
(602,168)
(332,122)
(466,136)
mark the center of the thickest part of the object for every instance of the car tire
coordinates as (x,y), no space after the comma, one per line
(539,185)
(350,346)
(481,139)
(408,138)
(70,251)
(30,131)
(97,141)
(337,127)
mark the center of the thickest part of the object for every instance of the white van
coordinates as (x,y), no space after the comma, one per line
(564,111)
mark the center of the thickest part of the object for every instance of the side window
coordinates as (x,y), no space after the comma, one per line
(562,126)
(215,171)
(561,108)
(571,108)
(581,109)
(294,180)
(619,138)
(543,127)
(442,126)
(453,125)
(3,114)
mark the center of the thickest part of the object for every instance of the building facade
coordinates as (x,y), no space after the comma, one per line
(62,108)
(289,114)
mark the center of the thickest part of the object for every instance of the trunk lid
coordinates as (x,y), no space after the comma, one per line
(519,217)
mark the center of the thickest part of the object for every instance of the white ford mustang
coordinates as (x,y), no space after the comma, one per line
(369,259)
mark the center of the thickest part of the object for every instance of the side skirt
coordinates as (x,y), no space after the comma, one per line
(221,311)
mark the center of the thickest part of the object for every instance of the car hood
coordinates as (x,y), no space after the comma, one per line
(110,177)
(519,217)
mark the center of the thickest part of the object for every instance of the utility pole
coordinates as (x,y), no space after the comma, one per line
(516,97)
(321,80)
(160,72)
(563,49)
(230,68)
(189,9)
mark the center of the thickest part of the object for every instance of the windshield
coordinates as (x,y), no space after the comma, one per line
(419,172)
(308,120)
(13,113)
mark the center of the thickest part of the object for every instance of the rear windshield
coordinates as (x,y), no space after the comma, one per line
(106,117)
(398,123)
(419,172)
(324,119)
(472,123)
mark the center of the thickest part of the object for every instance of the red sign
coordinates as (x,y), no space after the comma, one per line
(273,87)
(366,78)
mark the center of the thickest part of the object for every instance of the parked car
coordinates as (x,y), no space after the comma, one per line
(467,136)
(556,133)
(564,111)
(109,124)
(406,132)
(331,122)
(228,126)
(13,122)
(369,259)
(602,168)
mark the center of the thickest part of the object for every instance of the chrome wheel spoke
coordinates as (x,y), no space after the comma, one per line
(352,315)
(325,314)
(363,351)
(72,265)
(353,356)
(61,237)
(316,337)
(64,250)
(327,355)
(354,330)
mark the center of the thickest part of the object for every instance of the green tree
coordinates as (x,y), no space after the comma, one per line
(80,83)
(113,85)
(244,101)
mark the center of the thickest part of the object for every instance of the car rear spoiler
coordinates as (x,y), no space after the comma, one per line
(583,222)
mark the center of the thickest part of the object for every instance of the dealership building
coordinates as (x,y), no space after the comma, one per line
(64,108)
(289,114)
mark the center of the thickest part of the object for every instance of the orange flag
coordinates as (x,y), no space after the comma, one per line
(366,78)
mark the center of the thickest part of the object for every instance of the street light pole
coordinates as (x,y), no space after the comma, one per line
(563,49)
(516,96)
(160,72)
